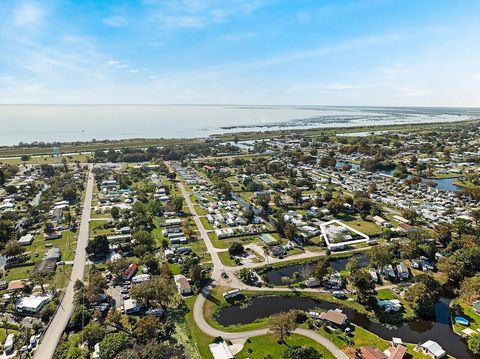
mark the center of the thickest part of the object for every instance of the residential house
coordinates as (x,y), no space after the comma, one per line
(402,271)
(31,304)
(220,351)
(433,349)
(391,305)
(183,285)
(335,317)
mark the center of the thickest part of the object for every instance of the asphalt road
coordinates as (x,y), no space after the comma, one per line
(51,337)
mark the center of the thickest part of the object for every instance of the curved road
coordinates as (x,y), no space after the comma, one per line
(49,341)
(218,268)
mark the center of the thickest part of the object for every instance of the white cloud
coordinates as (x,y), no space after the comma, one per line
(182,22)
(28,14)
(116,21)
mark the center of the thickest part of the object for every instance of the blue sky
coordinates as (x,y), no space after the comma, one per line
(357,52)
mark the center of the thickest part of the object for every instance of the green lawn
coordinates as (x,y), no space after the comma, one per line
(207,225)
(259,347)
(227,259)
(369,228)
(201,339)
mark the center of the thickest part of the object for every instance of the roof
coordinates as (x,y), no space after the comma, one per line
(268,239)
(397,352)
(16,284)
(434,348)
(220,351)
(334,316)
(31,303)
(367,352)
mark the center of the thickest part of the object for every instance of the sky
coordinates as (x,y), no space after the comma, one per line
(278,52)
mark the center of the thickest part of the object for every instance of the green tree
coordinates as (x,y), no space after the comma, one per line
(297,352)
(151,328)
(158,290)
(98,247)
(177,204)
(321,269)
(282,324)
(474,344)
(93,333)
(236,248)
(364,285)
(421,299)
(114,343)
(380,256)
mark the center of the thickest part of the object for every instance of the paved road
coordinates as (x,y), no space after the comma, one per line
(57,326)
(232,281)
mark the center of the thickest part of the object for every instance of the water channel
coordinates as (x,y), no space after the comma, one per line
(418,331)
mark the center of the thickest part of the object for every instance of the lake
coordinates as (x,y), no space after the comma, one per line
(414,332)
(67,123)
(274,276)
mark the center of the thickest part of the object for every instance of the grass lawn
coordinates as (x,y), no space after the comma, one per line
(207,225)
(259,347)
(369,228)
(385,294)
(200,211)
(225,243)
(201,339)
(227,259)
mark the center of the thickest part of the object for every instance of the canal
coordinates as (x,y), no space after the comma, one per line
(414,332)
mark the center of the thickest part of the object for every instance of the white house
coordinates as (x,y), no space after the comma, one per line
(31,304)
(433,349)
(220,351)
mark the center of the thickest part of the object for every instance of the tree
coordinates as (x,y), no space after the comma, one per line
(297,352)
(177,204)
(236,248)
(380,256)
(118,266)
(289,230)
(196,275)
(295,193)
(150,261)
(474,344)
(335,205)
(352,264)
(80,317)
(282,324)
(115,212)
(421,299)
(410,214)
(263,200)
(114,317)
(12,249)
(475,215)
(93,333)
(225,188)
(443,233)
(154,350)
(48,311)
(452,267)
(40,278)
(470,288)
(364,285)
(11,189)
(321,268)
(151,328)
(158,290)
(98,247)
(114,343)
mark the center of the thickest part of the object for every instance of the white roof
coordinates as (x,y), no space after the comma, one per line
(220,351)
(31,303)
(434,348)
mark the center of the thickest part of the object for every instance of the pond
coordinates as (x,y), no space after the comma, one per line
(275,275)
(443,184)
(417,331)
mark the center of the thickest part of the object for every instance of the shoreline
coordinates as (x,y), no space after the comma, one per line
(80,147)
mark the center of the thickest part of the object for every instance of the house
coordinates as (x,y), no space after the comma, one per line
(388,271)
(476,306)
(31,304)
(130,271)
(140,278)
(45,265)
(433,349)
(183,285)
(373,274)
(335,317)
(130,307)
(277,251)
(394,352)
(335,281)
(9,342)
(391,305)
(26,240)
(220,351)
(54,253)
(232,293)
(17,284)
(404,227)
(312,282)
(52,235)
(402,271)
